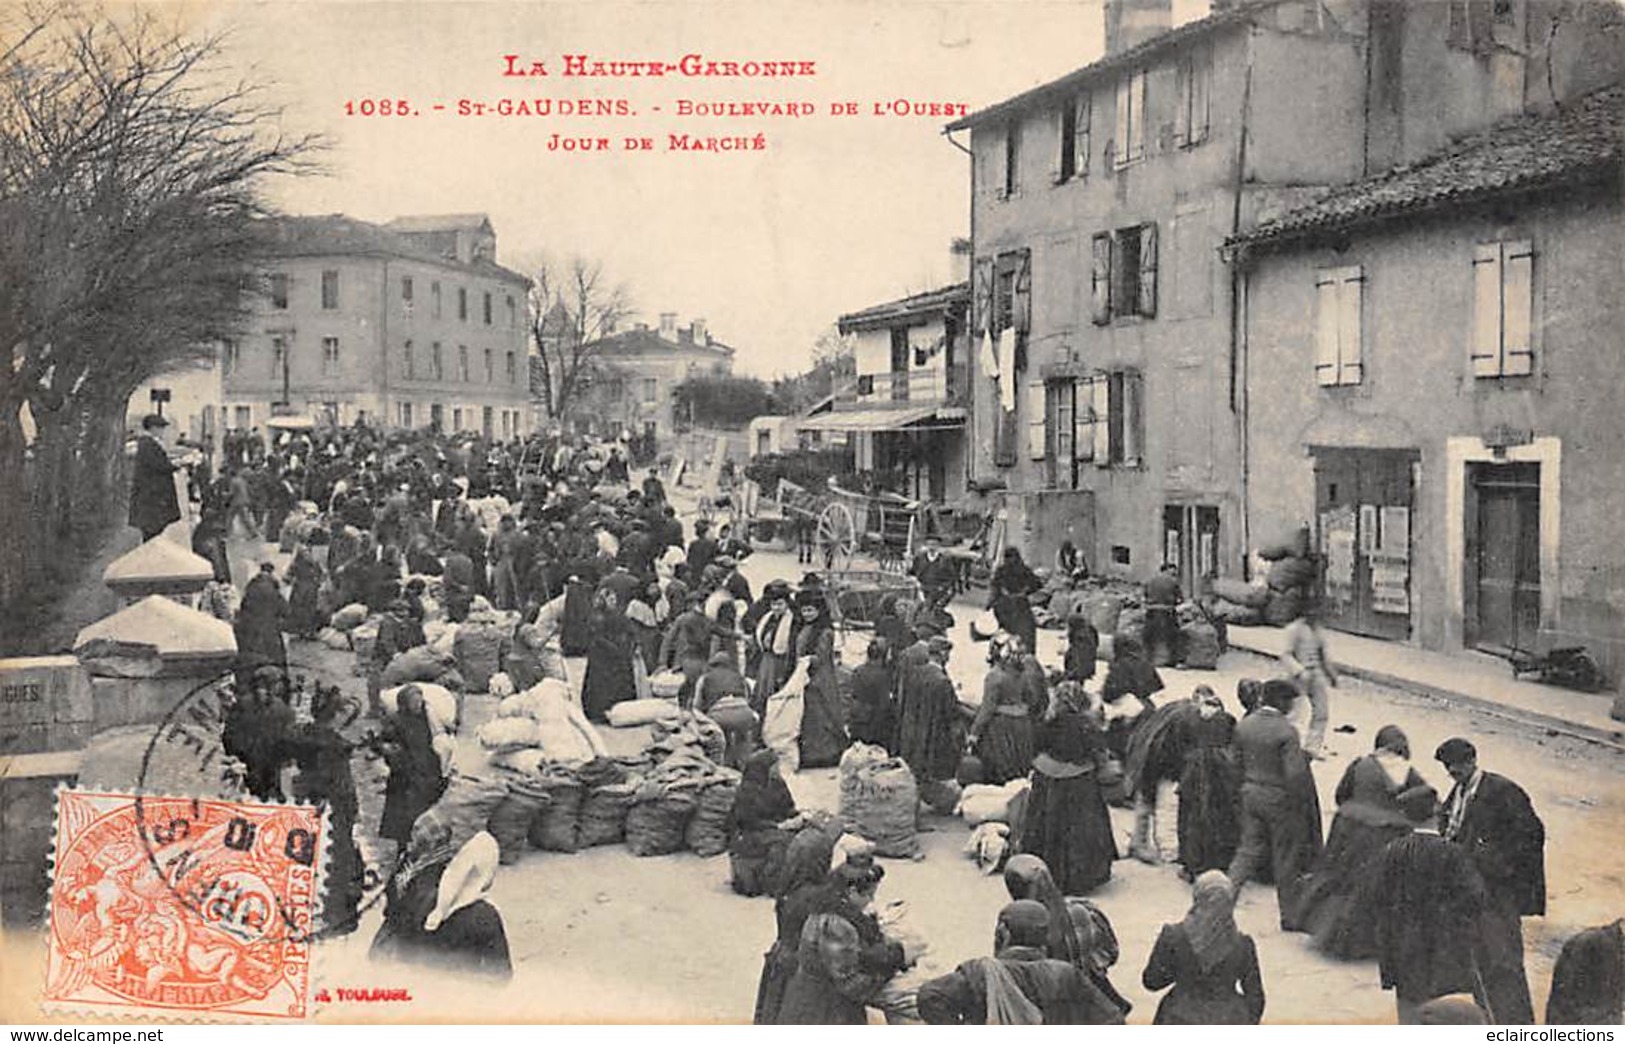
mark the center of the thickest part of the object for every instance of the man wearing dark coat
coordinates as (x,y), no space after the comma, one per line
(1588,983)
(153,503)
(929,725)
(1491,817)
(1426,898)
(259,625)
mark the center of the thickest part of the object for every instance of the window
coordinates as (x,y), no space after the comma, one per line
(437,417)
(406,415)
(245,417)
(513,314)
(1003,300)
(406,292)
(1010,182)
(1503,303)
(231,354)
(513,369)
(436,364)
(490,368)
(279,292)
(408,364)
(330,356)
(507,424)
(648,390)
(279,357)
(1191,114)
(462,303)
(866,384)
(1060,413)
(1123,277)
(1074,139)
(457,418)
(487,308)
(434,298)
(485,421)
(462,362)
(1472,23)
(1338,357)
(1129,145)
(330,289)
(1109,425)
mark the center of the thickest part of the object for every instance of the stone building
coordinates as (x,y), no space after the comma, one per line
(634,374)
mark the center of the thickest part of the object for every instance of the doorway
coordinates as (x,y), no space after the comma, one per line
(1190,540)
(1503,541)
(1363,512)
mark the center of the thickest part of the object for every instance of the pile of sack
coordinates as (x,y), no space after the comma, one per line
(541,725)
(1238,602)
(879,800)
(1202,639)
(480,646)
(1292,574)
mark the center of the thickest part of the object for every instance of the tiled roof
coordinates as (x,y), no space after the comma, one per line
(336,234)
(927,303)
(1237,15)
(437,222)
(1522,153)
(642,342)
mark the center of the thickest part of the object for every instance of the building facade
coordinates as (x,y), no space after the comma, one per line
(406,325)
(1432,374)
(635,374)
(904,414)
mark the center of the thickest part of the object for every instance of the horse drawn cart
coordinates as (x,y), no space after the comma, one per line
(836,524)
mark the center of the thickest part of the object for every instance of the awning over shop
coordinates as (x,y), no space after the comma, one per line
(874,420)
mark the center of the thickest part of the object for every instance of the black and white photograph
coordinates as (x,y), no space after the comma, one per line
(876,512)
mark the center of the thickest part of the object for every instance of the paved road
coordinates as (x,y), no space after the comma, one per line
(603,936)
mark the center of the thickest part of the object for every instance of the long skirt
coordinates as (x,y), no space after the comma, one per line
(778,968)
(823,728)
(609,679)
(1068,827)
(1209,810)
(1333,906)
(1006,749)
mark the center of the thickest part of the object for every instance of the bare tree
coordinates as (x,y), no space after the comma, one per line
(574,306)
(131,171)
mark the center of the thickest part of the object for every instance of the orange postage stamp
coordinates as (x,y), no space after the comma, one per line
(183,907)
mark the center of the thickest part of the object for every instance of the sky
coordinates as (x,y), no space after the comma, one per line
(769,247)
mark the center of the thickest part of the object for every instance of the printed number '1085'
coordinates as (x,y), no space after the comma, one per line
(378,107)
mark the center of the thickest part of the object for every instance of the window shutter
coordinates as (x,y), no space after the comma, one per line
(1486,336)
(1201,85)
(1326,315)
(1100,411)
(1147,305)
(1100,276)
(984,295)
(1004,447)
(1517,304)
(1125,98)
(1058,121)
(1081,136)
(1351,367)
(1133,419)
(1002,166)
(1137,115)
(1480,24)
(1083,419)
(1021,313)
(1036,421)
(1183,85)
(1457,34)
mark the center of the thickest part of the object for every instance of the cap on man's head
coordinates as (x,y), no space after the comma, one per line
(1419,803)
(939,644)
(1279,693)
(1455,750)
(154,420)
(1026,921)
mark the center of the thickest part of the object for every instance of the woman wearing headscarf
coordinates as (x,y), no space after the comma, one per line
(829,987)
(1080,933)
(1082,648)
(1012,583)
(823,725)
(1067,825)
(849,894)
(1211,965)
(1002,732)
(762,803)
(1369,815)
(435,909)
(803,886)
(1209,791)
(413,890)
(416,780)
(609,678)
(259,625)
(1126,694)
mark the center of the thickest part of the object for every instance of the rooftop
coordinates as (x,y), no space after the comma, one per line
(637,341)
(915,305)
(1586,139)
(438,222)
(339,234)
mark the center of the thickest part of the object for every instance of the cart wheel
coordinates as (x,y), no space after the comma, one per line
(837,536)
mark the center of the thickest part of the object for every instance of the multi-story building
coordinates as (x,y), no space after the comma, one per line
(904,414)
(1430,356)
(411,324)
(635,373)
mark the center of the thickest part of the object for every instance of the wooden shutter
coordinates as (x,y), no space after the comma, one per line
(1457,34)
(1517,305)
(1062,433)
(1485,347)
(1201,87)
(1036,421)
(1133,419)
(1147,304)
(1021,310)
(1182,102)
(1481,24)
(984,295)
(1125,98)
(1083,419)
(1100,410)
(1100,278)
(1004,438)
(1058,122)
(1081,136)
(1137,115)
(1350,360)
(1326,315)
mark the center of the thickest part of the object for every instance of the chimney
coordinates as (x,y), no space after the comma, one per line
(697,328)
(1130,23)
(668,325)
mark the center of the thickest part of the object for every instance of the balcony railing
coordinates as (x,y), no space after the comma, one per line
(928,387)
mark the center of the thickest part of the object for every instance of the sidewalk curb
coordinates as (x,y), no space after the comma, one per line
(1612,739)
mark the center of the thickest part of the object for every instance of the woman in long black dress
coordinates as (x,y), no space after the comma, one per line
(1002,733)
(1209,792)
(823,725)
(1067,825)
(609,679)
(757,841)
(1012,583)
(415,779)
(1333,907)
(1211,965)
(435,911)
(304,615)
(803,888)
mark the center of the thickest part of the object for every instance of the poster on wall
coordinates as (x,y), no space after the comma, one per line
(1337,535)
(1391,563)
